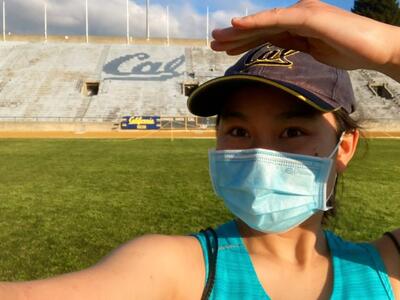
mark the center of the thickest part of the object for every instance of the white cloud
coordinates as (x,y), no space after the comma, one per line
(108,17)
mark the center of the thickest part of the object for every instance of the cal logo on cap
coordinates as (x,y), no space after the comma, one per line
(271,56)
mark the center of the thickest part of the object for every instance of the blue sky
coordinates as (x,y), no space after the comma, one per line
(346,4)
(216,5)
(108,17)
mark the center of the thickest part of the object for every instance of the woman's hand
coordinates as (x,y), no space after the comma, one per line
(331,35)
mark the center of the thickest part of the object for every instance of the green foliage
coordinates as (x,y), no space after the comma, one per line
(368,193)
(387,11)
(64,204)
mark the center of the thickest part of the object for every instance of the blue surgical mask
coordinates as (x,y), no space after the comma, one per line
(271,191)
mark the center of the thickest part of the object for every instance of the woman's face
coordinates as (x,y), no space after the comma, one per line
(264,117)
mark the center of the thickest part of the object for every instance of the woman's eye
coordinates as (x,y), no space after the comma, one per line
(292,132)
(239,132)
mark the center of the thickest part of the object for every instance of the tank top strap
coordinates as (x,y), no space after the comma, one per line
(235,277)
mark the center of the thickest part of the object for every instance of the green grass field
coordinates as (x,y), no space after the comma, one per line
(64,204)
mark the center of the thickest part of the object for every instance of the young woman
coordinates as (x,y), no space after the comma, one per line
(284,135)
(281,142)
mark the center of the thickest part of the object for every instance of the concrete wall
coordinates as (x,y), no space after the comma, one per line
(370,106)
(382,125)
(49,126)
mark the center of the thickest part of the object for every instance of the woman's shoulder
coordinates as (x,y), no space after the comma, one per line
(391,258)
(389,252)
(158,246)
(174,262)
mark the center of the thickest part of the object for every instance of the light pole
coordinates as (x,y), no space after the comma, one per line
(45,21)
(208,27)
(4,20)
(147,20)
(87,23)
(167,25)
(127,23)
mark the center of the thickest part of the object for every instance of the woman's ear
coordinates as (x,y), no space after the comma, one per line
(347,148)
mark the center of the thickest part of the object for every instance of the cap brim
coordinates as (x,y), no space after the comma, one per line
(207,99)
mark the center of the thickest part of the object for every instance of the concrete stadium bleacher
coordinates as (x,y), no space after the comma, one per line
(376,112)
(40,81)
(46,81)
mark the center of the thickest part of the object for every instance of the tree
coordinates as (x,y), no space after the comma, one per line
(387,11)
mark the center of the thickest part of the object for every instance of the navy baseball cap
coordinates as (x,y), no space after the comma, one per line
(323,87)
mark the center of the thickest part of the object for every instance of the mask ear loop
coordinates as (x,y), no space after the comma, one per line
(331,157)
(330,196)
(337,145)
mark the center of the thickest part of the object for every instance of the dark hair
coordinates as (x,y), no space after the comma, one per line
(345,124)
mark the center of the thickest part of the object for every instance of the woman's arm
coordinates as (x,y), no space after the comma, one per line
(146,268)
(331,35)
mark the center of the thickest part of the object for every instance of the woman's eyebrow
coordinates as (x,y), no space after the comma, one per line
(233,115)
(299,114)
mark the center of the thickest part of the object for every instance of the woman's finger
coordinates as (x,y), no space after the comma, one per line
(259,20)
(219,45)
(285,40)
(234,34)
(282,18)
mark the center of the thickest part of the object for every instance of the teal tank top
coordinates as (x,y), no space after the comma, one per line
(359,272)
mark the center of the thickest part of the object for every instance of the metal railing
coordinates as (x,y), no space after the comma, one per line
(187,123)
